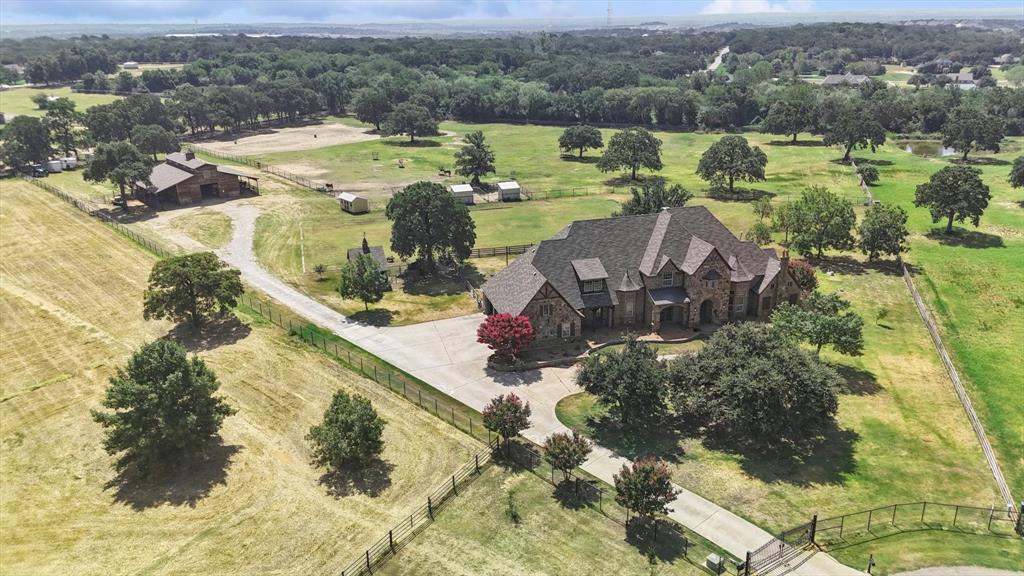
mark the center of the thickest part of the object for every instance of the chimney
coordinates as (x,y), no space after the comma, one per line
(366,245)
(190,155)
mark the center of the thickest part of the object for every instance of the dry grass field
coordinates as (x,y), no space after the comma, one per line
(71,308)
(208,227)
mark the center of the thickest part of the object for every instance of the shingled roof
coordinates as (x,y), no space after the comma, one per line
(623,247)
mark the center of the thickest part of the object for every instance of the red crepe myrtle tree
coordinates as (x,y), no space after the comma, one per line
(645,487)
(506,416)
(506,334)
(803,273)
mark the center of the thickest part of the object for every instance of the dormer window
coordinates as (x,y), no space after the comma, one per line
(711,278)
(593,286)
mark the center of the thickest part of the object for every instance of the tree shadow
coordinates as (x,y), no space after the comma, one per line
(965,238)
(517,378)
(857,382)
(574,494)
(436,284)
(370,480)
(980,161)
(625,180)
(656,538)
(416,144)
(513,456)
(374,317)
(872,161)
(826,459)
(578,160)
(660,437)
(798,143)
(739,194)
(134,213)
(849,266)
(220,331)
(189,481)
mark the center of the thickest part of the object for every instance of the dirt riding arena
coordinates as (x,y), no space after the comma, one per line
(288,139)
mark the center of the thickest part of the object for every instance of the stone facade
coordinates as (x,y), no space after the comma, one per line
(552,317)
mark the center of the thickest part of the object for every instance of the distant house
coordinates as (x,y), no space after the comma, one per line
(840,79)
(962,80)
(353,203)
(375,252)
(130,65)
(182,179)
(510,191)
(1004,58)
(680,266)
(462,192)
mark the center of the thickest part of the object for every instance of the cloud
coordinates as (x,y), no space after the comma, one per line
(17,11)
(756,6)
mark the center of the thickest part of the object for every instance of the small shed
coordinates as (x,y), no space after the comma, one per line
(375,252)
(510,191)
(130,65)
(353,203)
(462,192)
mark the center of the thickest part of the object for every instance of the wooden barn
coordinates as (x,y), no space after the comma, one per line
(182,179)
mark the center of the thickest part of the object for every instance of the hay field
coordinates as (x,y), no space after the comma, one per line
(71,308)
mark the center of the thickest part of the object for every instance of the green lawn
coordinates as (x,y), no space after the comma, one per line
(18,101)
(530,154)
(210,228)
(475,535)
(901,434)
(974,283)
(913,550)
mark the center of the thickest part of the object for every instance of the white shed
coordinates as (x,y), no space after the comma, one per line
(510,190)
(353,203)
(130,65)
(462,192)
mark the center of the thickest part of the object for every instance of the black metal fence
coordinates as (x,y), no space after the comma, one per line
(849,529)
(511,250)
(400,534)
(100,214)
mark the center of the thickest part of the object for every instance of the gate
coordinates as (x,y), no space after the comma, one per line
(780,549)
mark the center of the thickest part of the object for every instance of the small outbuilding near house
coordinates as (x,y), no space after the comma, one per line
(375,252)
(353,203)
(462,192)
(510,191)
(130,65)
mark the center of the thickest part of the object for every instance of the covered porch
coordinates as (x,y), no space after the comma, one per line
(670,307)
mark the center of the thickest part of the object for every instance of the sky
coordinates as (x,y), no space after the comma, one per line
(14,12)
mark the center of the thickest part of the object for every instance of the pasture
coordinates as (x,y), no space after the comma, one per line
(256,505)
(18,101)
(72,299)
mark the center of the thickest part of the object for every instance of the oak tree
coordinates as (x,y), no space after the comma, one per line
(883,231)
(731,159)
(954,193)
(580,138)
(429,222)
(631,149)
(351,433)
(191,287)
(475,159)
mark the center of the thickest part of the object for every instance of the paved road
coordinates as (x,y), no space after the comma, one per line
(718,59)
(445,354)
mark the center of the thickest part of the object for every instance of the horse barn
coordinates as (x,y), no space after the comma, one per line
(182,179)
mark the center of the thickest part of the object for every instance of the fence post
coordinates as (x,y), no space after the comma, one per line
(1020,519)
(430,508)
(746,565)
(870,512)
(893,523)
(476,459)
(956,512)
(924,506)
(453,416)
(368,562)
(435,406)
(453,485)
(842,520)
(391,540)
(814,527)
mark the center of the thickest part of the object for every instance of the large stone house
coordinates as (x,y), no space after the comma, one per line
(182,179)
(639,273)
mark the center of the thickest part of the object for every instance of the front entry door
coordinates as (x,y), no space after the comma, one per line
(666,315)
(707,313)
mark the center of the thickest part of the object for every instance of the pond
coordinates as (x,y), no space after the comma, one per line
(926,148)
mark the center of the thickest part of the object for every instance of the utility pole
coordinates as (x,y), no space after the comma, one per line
(608,18)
